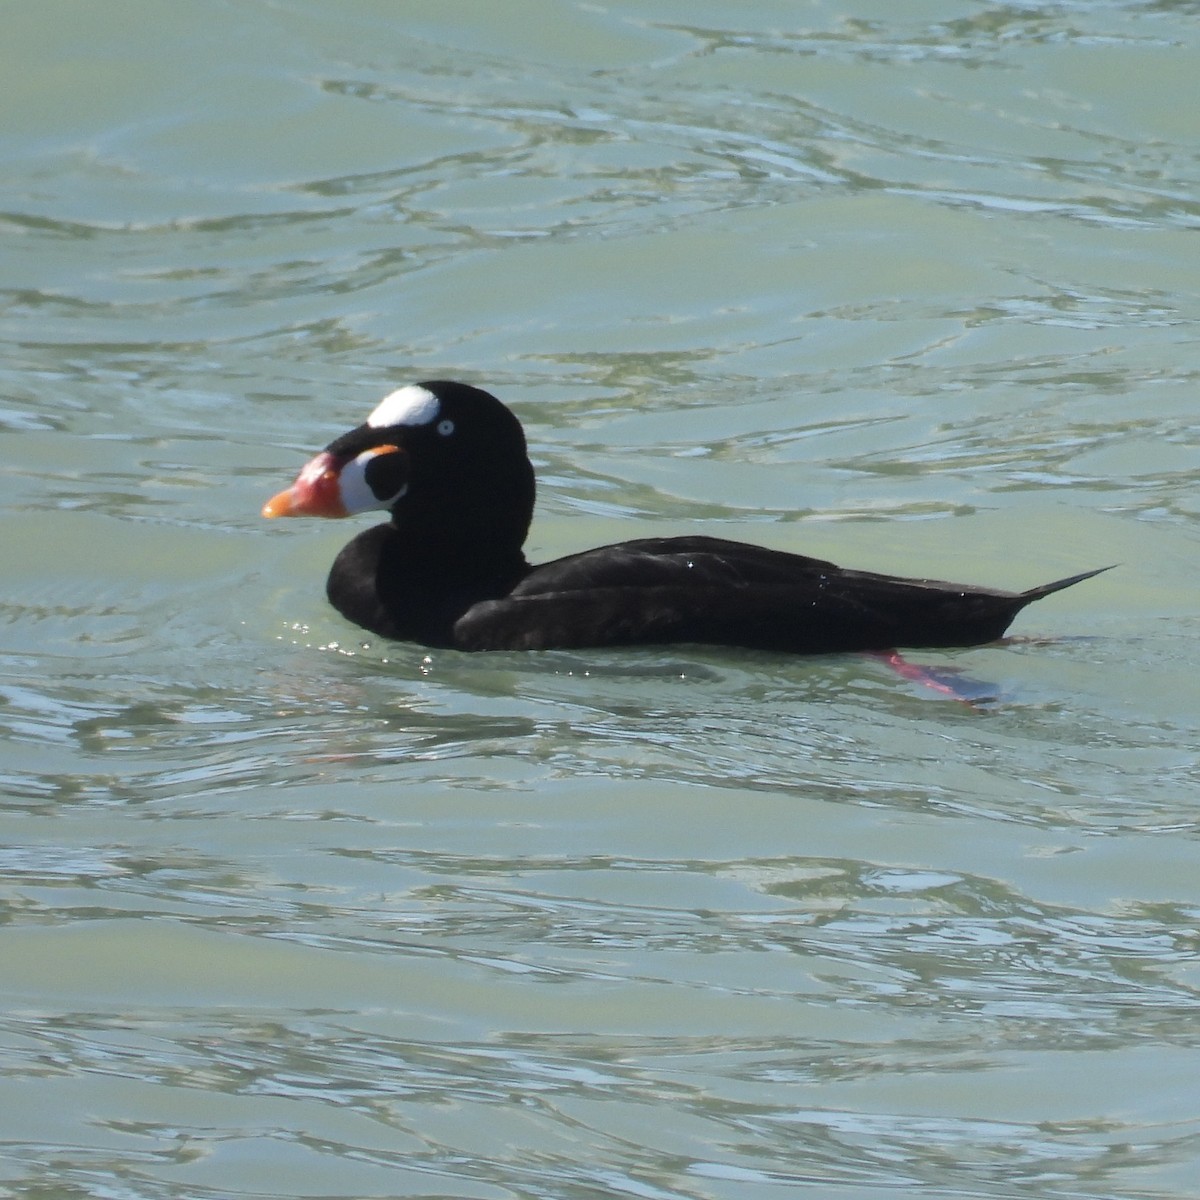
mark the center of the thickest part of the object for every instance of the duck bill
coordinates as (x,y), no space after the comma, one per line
(316,493)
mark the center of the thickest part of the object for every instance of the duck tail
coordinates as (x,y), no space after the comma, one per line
(1057,586)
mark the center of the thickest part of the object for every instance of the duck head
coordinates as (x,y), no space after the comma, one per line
(447,461)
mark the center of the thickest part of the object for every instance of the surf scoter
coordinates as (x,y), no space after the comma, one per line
(448,462)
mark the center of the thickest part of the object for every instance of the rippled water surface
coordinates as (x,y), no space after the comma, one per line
(288,911)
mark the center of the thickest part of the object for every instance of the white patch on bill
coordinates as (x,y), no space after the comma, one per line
(354,490)
(409,405)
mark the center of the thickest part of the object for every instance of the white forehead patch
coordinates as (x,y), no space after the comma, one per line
(409,405)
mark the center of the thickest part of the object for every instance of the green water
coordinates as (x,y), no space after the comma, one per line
(287,911)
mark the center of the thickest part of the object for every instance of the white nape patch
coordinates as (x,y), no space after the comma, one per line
(409,405)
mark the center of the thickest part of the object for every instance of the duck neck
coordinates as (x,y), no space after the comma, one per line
(458,560)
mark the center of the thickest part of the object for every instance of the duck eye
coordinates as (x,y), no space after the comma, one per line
(445,428)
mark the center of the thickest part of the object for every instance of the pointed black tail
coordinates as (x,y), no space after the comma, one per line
(1057,586)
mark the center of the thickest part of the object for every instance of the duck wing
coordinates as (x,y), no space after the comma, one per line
(678,561)
(718,592)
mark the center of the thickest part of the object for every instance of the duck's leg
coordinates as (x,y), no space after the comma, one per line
(948,683)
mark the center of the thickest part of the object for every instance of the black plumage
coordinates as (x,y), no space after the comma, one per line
(449,463)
